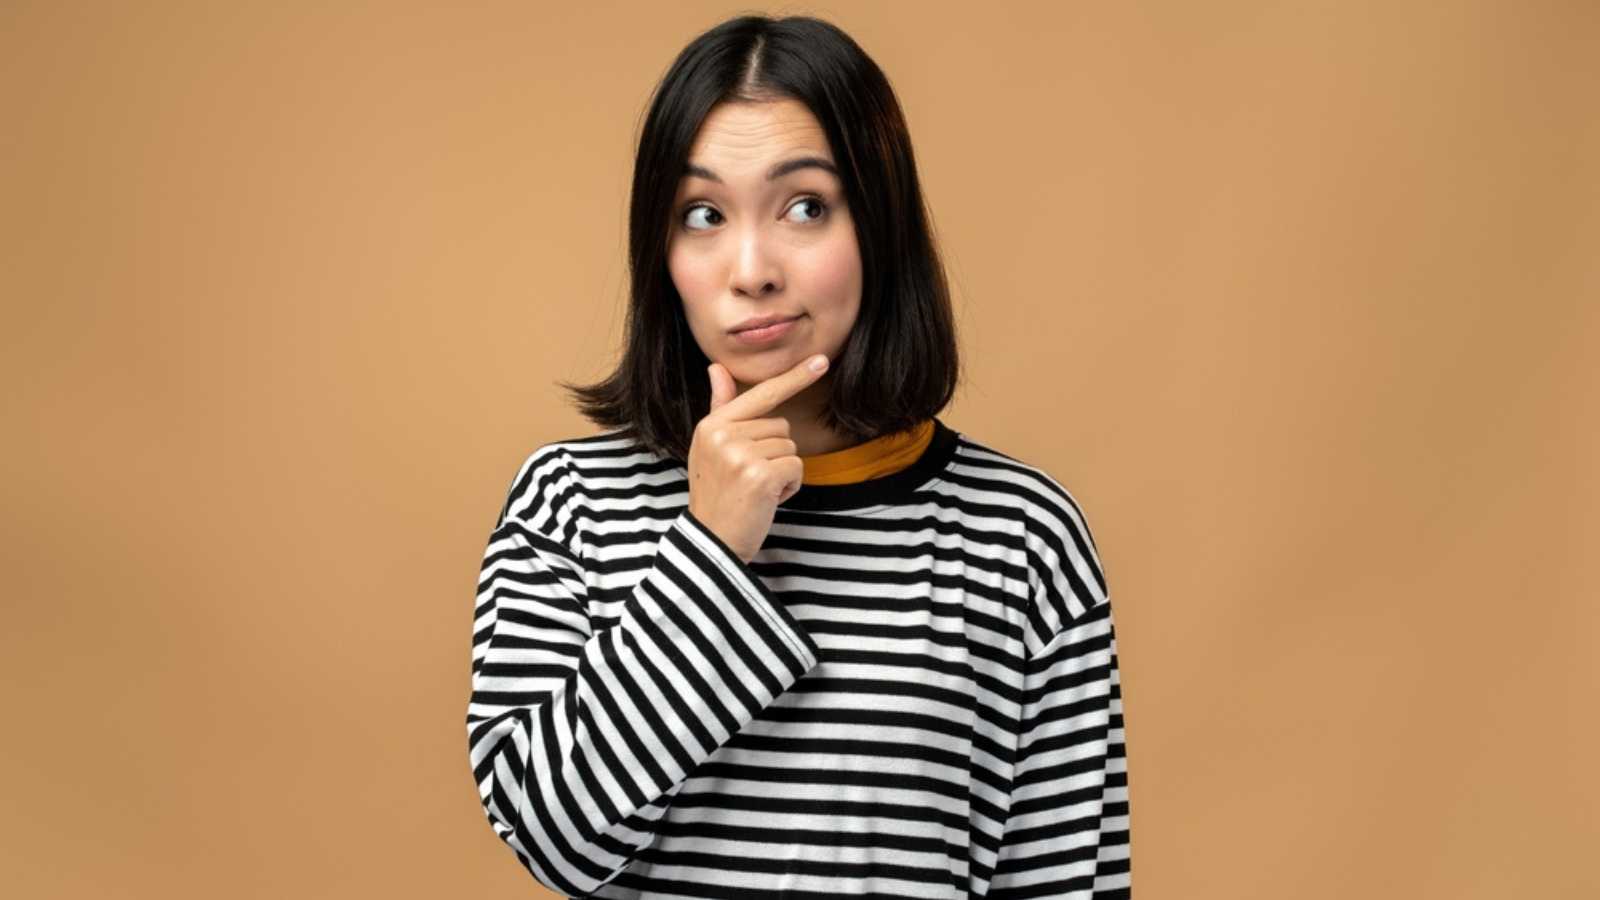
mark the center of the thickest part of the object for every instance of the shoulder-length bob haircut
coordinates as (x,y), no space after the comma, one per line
(900,365)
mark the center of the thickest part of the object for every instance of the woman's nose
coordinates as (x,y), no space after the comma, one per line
(755,267)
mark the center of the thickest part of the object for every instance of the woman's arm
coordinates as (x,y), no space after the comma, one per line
(578,738)
(1067,832)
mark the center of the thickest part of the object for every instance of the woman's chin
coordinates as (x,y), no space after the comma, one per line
(752,371)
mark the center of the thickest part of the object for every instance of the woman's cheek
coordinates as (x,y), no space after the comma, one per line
(835,288)
(692,283)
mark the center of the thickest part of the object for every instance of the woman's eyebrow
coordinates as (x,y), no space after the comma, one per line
(777,171)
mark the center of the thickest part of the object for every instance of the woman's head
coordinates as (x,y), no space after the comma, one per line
(841,239)
(760,228)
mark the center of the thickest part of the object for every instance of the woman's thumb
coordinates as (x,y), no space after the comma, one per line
(722,387)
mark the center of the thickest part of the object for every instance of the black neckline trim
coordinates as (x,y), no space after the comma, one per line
(885,488)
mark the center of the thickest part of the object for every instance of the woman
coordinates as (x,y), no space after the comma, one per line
(779,631)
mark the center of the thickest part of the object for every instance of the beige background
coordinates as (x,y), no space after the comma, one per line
(1300,300)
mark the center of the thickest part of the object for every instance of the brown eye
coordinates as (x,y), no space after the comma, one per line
(821,208)
(696,208)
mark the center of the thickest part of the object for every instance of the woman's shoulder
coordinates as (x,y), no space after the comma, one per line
(1065,571)
(1033,486)
(560,474)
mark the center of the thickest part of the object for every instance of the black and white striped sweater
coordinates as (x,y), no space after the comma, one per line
(911,690)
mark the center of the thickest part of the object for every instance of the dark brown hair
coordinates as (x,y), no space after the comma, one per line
(900,364)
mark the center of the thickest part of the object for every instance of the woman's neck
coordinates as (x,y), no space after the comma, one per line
(803,412)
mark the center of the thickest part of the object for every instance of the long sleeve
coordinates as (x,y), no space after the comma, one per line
(1067,834)
(579,738)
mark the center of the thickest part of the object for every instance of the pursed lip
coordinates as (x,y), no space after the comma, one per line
(761,322)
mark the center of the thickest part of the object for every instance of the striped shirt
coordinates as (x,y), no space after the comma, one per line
(910,691)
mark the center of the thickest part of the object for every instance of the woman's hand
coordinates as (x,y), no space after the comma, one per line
(742,466)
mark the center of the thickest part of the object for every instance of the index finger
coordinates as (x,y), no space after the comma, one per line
(764,397)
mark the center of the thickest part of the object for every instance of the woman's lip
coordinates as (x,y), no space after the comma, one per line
(766,334)
(768,325)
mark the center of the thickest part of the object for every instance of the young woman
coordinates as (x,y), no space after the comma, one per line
(779,631)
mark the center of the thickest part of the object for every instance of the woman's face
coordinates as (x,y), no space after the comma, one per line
(745,245)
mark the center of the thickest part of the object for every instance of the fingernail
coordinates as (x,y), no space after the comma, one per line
(819,363)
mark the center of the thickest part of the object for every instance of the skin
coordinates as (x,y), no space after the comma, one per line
(747,246)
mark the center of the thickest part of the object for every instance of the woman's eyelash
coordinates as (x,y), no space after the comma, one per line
(823,204)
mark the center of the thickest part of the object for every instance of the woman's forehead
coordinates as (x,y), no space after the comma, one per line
(749,135)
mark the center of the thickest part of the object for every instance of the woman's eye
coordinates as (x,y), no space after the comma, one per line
(822,208)
(688,213)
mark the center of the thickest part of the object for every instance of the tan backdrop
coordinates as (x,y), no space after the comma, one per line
(1301,301)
